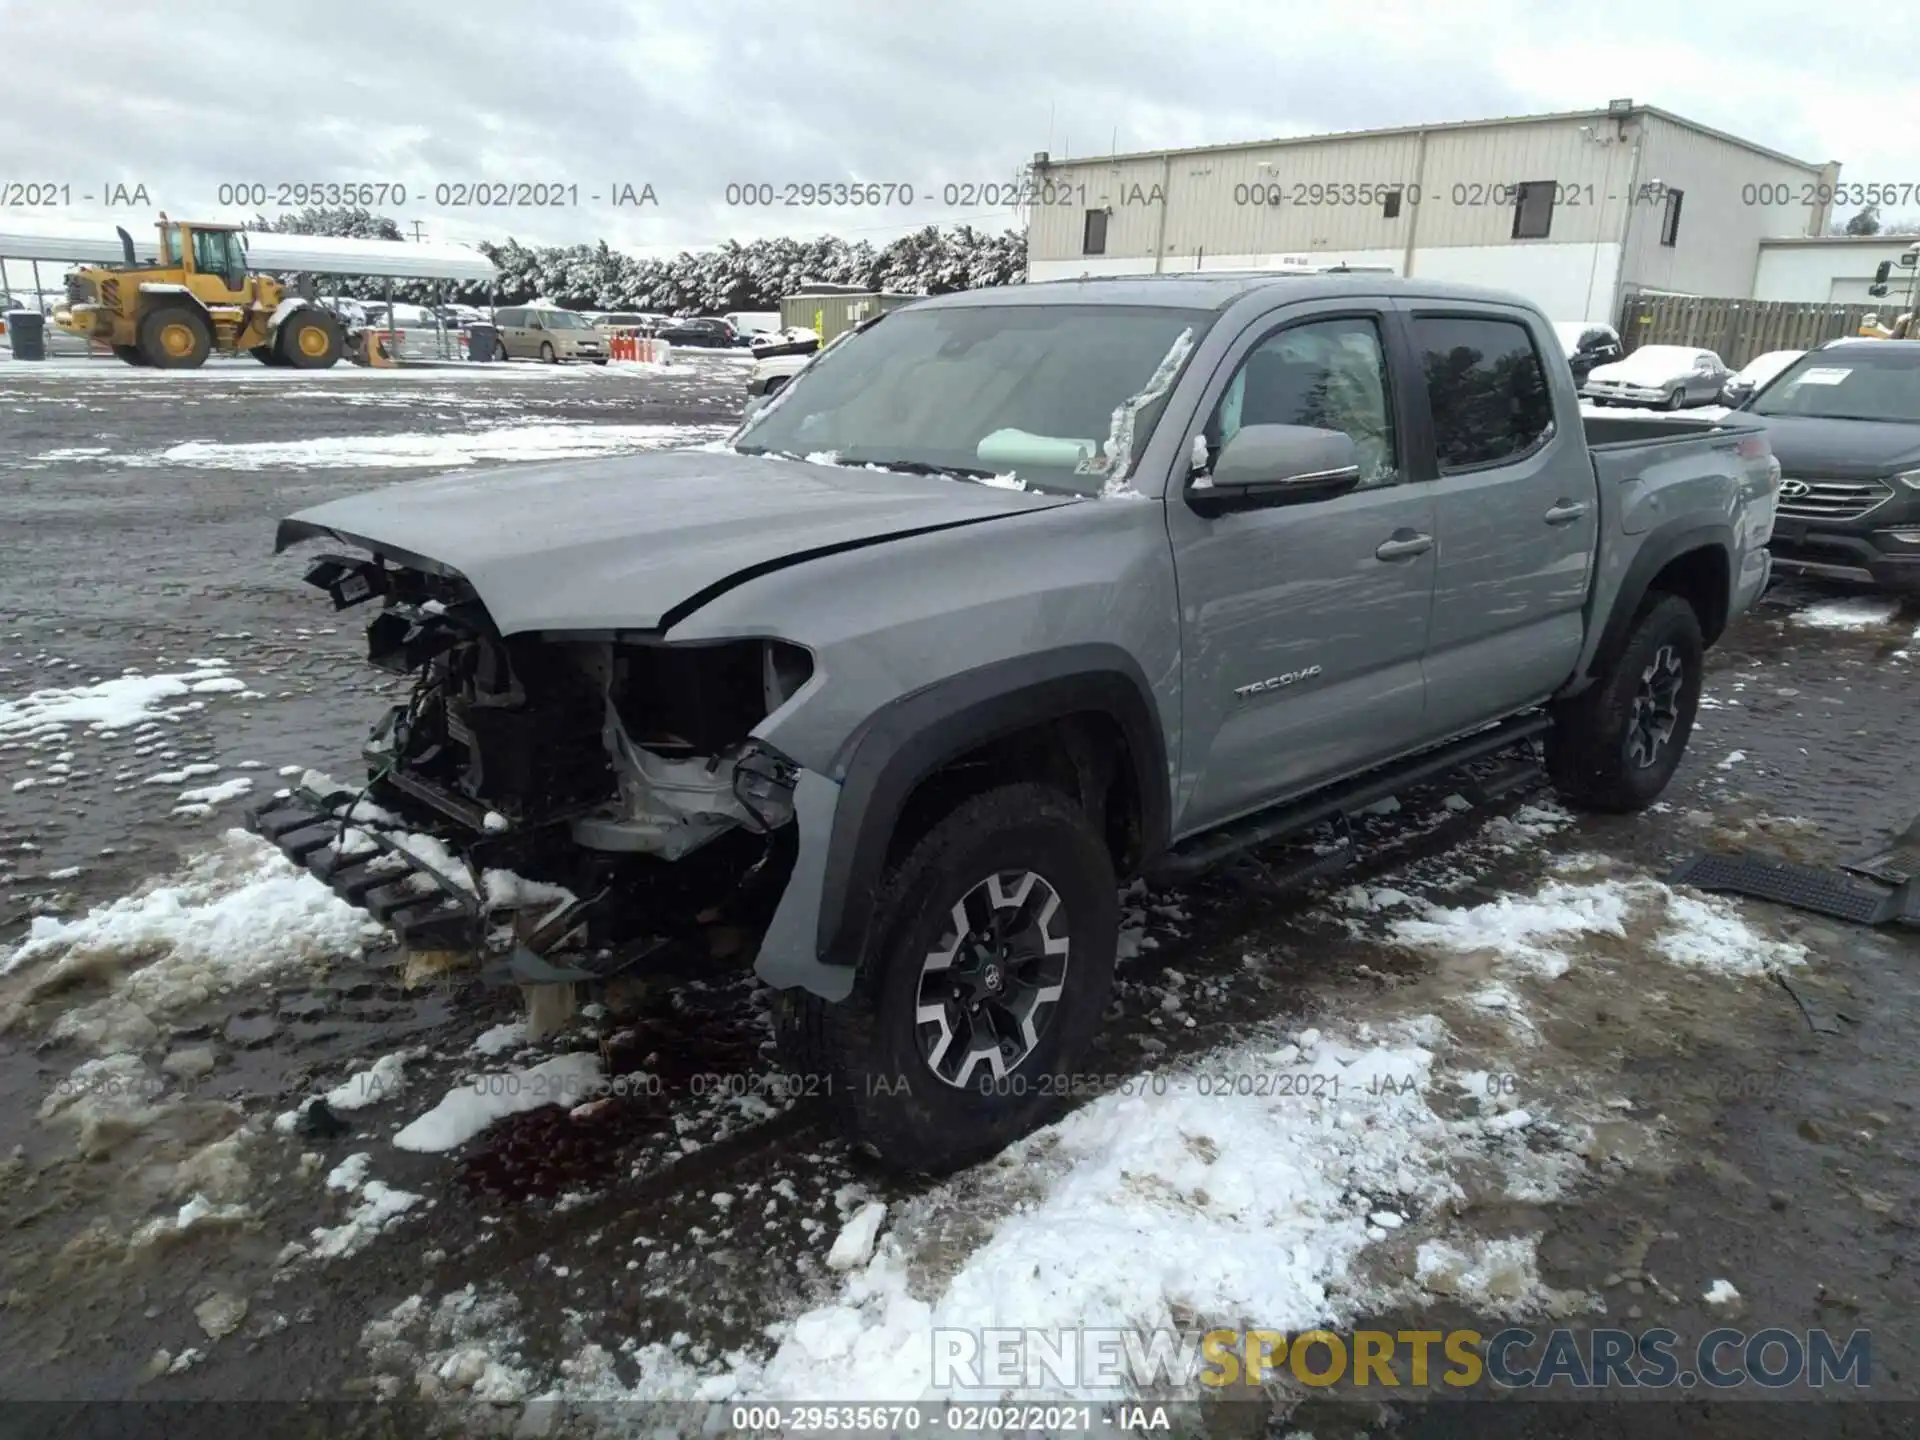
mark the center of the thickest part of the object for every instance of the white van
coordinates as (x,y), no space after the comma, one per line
(754,322)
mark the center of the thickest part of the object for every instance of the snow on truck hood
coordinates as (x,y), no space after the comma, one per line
(626,543)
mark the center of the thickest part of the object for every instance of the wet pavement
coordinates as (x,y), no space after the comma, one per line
(1701,1127)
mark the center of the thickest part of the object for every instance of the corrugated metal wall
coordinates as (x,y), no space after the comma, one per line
(829,315)
(1732,199)
(1210,202)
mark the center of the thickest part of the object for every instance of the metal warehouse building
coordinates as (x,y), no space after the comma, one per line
(1576,211)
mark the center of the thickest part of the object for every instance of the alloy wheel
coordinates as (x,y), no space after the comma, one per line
(988,992)
(1656,708)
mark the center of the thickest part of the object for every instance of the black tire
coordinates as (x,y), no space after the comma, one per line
(309,340)
(130,353)
(175,337)
(1614,746)
(600,362)
(500,350)
(264,354)
(546,353)
(867,1053)
(774,385)
(1675,399)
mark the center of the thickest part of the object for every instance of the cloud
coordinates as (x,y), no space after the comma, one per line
(689,98)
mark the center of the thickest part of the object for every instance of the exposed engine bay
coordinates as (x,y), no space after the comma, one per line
(563,808)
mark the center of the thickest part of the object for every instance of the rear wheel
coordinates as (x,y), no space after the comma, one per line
(175,337)
(990,963)
(1614,746)
(309,340)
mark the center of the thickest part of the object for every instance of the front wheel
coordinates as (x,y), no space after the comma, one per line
(1616,744)
(1675,399)
(989,964)
(546,353)
(175,337)
(130,353)
(309,340)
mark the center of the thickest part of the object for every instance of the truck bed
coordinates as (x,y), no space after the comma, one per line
(1619,432)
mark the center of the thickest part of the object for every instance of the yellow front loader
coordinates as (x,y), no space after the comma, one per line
(197,297)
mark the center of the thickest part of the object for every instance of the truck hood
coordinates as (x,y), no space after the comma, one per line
(641,541)
(1808,445)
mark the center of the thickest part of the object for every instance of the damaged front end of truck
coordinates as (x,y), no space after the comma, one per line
(556,809)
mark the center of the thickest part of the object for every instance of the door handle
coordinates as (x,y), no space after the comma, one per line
(1565,513)
(1404,546)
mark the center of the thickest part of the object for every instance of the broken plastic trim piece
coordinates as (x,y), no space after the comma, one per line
(348,581)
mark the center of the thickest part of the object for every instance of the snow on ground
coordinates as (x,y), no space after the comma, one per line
(113,704)
(1851,613)
(235,914)
(467,1109)
(1540,933)
(426,451)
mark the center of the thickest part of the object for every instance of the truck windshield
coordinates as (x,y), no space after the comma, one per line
(1059,397)
(1875,380)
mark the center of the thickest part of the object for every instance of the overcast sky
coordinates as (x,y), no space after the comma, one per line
(184,96)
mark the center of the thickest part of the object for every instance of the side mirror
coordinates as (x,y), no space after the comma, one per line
(1268,465)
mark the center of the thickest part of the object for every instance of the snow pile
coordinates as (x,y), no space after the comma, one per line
(384,1079)
(1540,933)
(466,1110)
(1500,1276)
(1852,613)
(463,1348)
(1532,932)
(1173,1201)
(380,1205)
(113,704)
(238,912)
(421,450)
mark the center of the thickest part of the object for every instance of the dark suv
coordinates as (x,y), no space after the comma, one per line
(700,330)
(1845,425)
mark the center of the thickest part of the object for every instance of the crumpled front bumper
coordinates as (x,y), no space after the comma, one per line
(426,908)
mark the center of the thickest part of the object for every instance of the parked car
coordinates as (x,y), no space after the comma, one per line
(704,331)
(1587,344)
(534,332)
(753,322)
(1754,375)
(620,322)
(1844,421)
(1670,376)
(890,688)
(770,374)
(796,340)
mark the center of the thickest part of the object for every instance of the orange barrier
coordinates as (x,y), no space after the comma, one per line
(636,347)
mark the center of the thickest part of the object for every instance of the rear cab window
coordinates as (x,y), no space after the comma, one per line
(1486,387)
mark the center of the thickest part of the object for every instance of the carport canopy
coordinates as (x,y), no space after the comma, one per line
(98,243)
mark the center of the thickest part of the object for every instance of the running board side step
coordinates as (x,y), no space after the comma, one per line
(1209,849)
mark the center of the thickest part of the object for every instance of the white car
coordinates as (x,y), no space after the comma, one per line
(770,375)
(1752,376)
(1669,376)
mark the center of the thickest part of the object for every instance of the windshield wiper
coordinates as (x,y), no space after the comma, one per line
(921,467)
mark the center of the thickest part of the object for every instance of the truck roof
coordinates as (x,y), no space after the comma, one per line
(1216,290)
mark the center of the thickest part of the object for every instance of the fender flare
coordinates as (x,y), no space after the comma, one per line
(903,742)
(1660,549)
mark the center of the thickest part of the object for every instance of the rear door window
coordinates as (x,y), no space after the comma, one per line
(1486,387)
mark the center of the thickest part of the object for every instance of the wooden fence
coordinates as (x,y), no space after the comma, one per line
(1738,330)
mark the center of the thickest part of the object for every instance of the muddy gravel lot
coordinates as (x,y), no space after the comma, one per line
(1496,1073)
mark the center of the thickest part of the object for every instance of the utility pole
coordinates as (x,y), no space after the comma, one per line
(416,231)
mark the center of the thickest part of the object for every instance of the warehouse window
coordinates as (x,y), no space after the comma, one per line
(1486,388)
(1533,210)
(1670,222)
(1093,239)
(1390,207)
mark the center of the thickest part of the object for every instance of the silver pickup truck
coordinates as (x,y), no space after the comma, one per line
(1013,595)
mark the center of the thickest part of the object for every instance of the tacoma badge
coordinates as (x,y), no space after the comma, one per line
(1276,682)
